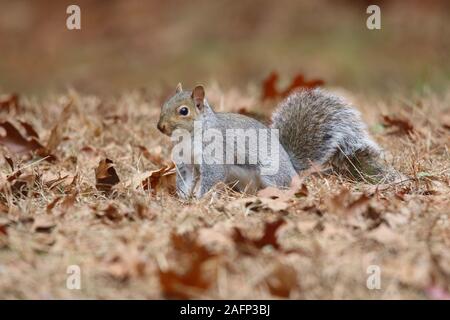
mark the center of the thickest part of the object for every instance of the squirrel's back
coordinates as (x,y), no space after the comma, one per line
(319,127)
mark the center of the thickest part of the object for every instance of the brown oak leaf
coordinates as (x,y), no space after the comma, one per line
(400,126)
(197,277)
(106,176)
(268,238)
(270,90)
(16,143)
(160,179)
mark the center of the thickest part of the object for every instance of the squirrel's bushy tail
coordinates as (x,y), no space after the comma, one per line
(366,166)
(316,127)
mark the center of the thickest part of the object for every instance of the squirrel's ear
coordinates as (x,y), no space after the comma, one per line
(179,88)
(198,95)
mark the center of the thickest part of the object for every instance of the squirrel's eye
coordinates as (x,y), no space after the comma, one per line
(183,111)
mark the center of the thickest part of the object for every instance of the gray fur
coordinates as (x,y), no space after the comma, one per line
(321,128)
(186,180)
(241,176)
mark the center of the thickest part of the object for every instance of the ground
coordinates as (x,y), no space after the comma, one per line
(327,238)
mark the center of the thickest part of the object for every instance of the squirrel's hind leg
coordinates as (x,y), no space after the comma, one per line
(210,175)
(244,178)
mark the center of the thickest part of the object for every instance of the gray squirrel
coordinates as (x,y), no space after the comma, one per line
(314,127)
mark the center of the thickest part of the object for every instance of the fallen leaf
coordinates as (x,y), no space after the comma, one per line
(22,184)
(53,183)
(302,191)
(297,189)
(299,82)
(13,176)
(218,237)
(196,278)
(110,213)
(282,280)
(15,141)
(402,126)
(72,186)
(271,92)
(344,203)
(43,224)
(257,203)
(275,193)
(161,179)
(269,87)
(29,129)
(268,238)
(106,176)
(10,162)
(359,205)
(68,201)
(52,204)
(274,205)
(273,198)
(10,102)
(144,212)
(3,228)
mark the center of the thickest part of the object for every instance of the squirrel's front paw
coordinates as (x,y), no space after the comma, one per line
(199,193)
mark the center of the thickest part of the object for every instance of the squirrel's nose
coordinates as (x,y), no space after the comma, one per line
(161,127)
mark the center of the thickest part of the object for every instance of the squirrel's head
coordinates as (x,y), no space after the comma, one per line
(181,110)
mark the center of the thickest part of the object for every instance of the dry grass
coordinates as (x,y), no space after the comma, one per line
(329,238)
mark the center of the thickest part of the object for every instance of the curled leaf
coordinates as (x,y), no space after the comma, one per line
(161,179)
(10,162)
(15,141)
(106,176)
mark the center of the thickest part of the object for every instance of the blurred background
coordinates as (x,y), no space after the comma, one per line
(151,44)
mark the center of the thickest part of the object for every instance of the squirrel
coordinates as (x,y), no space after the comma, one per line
(314,127)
